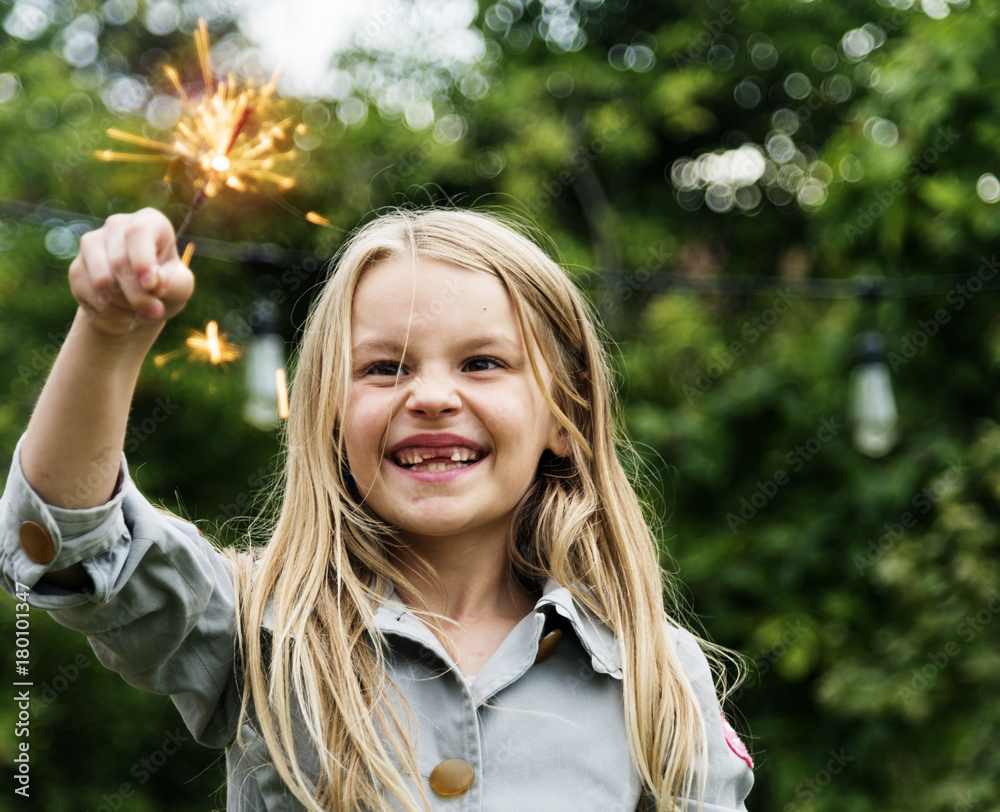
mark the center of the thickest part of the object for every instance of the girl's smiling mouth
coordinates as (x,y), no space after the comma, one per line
(435,454)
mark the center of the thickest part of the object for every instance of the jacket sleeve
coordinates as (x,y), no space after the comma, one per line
(161,609)
(729,774)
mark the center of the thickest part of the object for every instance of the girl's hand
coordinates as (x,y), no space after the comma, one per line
(127,275)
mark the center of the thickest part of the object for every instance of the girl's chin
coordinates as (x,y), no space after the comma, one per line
(441,525)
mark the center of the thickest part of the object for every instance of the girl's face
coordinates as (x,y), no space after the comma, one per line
(450,446)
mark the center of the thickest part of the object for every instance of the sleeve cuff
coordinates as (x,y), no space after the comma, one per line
(76,535)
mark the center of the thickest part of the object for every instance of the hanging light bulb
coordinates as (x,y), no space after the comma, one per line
(872,404)
(265,365)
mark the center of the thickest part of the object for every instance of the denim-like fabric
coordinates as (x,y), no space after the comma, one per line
(548,736)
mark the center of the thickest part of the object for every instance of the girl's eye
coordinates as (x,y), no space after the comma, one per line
(383,368)
(482,364)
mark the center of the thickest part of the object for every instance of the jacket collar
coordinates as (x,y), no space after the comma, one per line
(393,618)
(595,636)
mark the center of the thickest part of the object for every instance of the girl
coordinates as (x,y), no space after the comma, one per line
(460,606)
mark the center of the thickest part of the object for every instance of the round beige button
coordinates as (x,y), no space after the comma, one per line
(36,542)
(547,645)
(452,777)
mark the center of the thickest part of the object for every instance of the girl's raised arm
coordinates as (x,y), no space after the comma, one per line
(128,280)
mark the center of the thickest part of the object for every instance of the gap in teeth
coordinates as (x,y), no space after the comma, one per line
(435,467)
(411,458)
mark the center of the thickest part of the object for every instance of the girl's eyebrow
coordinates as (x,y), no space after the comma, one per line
(393,349)
(378,346)
(490,341)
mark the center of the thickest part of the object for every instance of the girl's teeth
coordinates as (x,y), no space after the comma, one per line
(417,459)
(434,467)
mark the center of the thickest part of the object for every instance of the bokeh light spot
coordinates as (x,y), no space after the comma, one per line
(988,188)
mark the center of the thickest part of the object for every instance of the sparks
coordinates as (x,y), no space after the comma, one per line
(317,219)
(229,134)
(281,384)
(212,343)
(209,346)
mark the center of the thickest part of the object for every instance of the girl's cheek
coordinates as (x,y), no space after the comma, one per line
(362,477)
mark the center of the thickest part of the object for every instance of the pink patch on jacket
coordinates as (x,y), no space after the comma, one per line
(735,743)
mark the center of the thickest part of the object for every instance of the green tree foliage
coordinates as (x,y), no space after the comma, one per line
(790,146)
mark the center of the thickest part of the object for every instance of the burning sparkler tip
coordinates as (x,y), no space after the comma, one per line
(229,134)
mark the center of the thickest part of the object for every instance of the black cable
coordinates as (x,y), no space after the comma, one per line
(612,280)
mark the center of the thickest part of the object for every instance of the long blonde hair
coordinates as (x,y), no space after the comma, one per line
(321,673)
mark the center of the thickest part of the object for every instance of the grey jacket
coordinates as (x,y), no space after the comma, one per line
(539,736)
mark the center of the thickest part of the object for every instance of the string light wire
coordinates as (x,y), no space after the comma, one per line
(718,284)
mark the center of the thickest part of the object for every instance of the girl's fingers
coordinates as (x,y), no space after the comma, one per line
(129,270)
(84,290)
(149,240)
(139,300)
(135,263)
(90,274)
(101,304)
(176,285)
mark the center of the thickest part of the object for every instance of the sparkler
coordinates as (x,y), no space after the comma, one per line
(229,135)
(209,346)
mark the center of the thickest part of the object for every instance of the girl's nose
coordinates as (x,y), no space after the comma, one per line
(433,395)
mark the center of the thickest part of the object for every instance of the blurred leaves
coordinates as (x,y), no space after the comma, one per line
(863,590)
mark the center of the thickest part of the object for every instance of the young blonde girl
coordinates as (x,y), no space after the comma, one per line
(460,605)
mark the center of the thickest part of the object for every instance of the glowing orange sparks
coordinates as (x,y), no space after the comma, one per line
(282,385)
(209,346)
(229,134)
(186,256)
(212,342)
(317,219)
